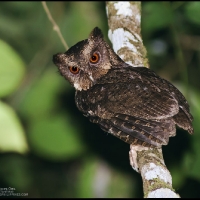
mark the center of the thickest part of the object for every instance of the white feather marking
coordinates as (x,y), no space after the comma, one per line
(91,112)
(91,78)
(77,86)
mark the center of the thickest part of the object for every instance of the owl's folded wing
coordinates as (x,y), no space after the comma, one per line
(138,131)
(140,100)
(137,113)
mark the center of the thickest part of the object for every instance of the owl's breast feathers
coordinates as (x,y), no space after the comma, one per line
(136,105)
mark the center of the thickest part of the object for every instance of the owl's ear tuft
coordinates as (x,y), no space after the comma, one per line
(96,34)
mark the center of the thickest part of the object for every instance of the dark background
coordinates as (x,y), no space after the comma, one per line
(48,148)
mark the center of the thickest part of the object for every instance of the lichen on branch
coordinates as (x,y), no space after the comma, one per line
(124,20)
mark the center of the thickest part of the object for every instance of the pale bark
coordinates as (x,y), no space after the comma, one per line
(124,20)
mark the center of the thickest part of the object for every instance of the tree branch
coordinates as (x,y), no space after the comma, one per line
(124,32)
(55,26)
(124,20)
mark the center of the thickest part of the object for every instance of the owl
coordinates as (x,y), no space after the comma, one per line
(131,103)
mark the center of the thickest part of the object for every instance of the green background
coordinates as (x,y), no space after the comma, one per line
(47,147)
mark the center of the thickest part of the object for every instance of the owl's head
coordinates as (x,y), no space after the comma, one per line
(86,61)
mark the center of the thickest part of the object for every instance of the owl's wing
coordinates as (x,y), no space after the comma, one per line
(163,84)
(136,111)
(138,131)
(137,107)
(183,118)
(140,99)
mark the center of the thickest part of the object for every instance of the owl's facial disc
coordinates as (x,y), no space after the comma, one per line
(80,77)
(85,62)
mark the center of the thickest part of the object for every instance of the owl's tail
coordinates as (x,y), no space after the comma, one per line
(149,133)
(184,120)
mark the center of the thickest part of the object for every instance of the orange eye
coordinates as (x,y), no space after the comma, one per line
(94,58)
(74,70)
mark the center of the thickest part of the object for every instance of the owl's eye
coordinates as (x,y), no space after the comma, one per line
(94,58)
(74,70)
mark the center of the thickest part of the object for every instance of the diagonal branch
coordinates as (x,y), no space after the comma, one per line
(124,20)
(55,26)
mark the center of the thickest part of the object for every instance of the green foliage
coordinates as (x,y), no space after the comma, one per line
(11,132)
(42,96)
(192,12)
(66,156)
(97,179)
(16,171)
(155,16)
(55,137)
(194,158)
(12,69)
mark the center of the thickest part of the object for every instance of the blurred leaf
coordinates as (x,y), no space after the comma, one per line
(121,185)
(156,15)
(55,137)
(195,156)
(192,11)
(12,137)
(86,179)
(41,97)
(51,135)
(178,175)
(98,180)
(20,7)
(192,159)
(79,31)
(12,69)
(16,172)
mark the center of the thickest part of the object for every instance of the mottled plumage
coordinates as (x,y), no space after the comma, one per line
(132,103)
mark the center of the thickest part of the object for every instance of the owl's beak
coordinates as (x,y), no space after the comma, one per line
(91,78)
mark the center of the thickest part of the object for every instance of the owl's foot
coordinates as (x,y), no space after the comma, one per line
(133,155)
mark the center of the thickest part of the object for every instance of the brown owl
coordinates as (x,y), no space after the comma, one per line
(131,103)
